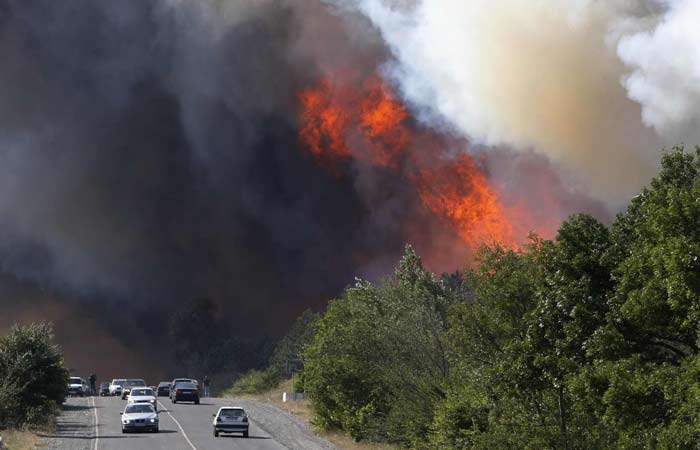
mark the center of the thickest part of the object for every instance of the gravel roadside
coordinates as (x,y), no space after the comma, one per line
(75,428)
(283,427)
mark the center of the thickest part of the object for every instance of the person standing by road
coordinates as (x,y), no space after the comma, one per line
(205,383)
(93,384)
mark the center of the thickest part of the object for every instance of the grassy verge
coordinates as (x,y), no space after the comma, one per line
(27,439)
(302,410)
(20,440)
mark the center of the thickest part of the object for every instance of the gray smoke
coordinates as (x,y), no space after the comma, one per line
(149,155)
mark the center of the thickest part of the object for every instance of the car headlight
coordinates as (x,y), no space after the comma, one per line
(154,420)
(127,421)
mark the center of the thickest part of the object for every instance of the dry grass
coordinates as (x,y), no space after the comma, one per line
(20,440)
(302,410)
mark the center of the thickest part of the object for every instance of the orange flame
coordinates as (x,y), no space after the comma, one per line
(382,123)
(370,125)
(459,193)
(325,122)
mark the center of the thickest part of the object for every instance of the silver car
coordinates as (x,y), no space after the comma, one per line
(139,417)
(231,420)
(143,395)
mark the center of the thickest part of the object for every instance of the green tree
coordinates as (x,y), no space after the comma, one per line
(33,378)
(657,300)
(378,361)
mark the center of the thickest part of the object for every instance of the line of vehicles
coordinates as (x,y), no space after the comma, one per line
(141,410)
(178,390)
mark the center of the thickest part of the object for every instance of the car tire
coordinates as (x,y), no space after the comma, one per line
(245,434)
(174,401)
(196,402)
(156,430)
(123,431)
(216,433)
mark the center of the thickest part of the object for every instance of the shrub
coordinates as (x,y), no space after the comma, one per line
(32,376)
(256,382)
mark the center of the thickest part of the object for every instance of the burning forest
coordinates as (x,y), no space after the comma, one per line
(261,154)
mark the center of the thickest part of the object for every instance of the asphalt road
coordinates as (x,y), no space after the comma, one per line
(182,427)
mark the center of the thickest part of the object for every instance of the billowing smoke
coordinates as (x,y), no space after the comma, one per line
(551,76)
(664,58)
(150,150)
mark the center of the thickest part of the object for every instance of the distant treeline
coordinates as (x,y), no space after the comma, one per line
(587,341)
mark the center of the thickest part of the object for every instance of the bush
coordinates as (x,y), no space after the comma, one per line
(33,378)
(256,382)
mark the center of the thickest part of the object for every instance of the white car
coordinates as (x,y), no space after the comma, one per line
(129,384)
(231,419)
(115,387)
(139,417)
(143,395)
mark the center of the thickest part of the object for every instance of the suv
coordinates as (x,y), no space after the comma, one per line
(115,387)
(131,383)
(76,386)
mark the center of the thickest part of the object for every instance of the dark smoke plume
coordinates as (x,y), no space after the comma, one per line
(149,156)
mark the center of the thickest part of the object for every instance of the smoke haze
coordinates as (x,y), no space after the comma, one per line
(150,151)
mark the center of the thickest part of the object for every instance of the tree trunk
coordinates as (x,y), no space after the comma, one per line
(562,420)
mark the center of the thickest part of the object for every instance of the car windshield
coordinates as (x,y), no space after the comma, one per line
(118,382)
(232,412)
(163,383)
(141,392)
(104,385)
(186,386)
(75,380)
(139,409)
(132,383)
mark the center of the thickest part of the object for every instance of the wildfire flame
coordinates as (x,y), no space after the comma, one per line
(341,122)
(460,193)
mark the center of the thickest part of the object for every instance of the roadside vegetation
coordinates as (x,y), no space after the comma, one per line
(32,383)
(21,440)
(286,359)
(587,341)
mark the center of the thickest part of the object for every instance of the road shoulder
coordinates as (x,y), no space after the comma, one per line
(75,427)
(284,428)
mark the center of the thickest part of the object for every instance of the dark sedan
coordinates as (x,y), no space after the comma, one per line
(104,389)
(163,389)
(185,392)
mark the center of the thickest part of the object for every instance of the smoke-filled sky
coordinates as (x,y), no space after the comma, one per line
(150,151)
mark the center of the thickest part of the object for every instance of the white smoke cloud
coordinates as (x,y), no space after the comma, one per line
(540,75)
(665,77)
